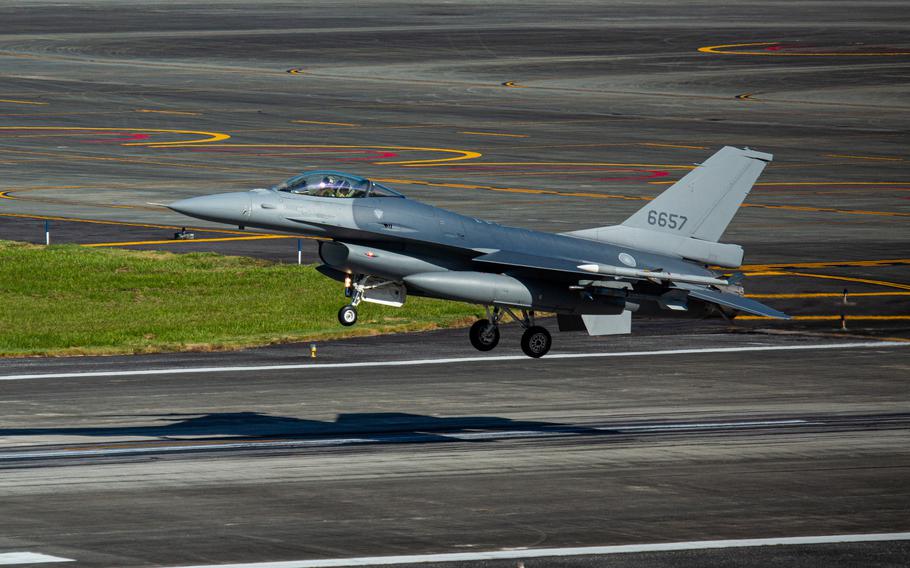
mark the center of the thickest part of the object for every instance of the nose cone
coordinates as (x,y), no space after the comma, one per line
(231,208)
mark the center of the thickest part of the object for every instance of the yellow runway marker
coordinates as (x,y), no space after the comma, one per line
(461,154)
(177,112)
(493,134)
(884,283)
(209,137)
(727,50)
(823,295)
(351,124)
(832,318)
(191,241)
(3,195)
(18,102)
(119,223)
(513,85)
(876,158)
(656,145)
(828,264)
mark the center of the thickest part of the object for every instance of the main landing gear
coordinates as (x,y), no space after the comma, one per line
(535,341)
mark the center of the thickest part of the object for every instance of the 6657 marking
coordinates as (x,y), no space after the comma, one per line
(664,219)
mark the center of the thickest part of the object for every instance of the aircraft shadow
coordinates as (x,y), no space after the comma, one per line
(387,427)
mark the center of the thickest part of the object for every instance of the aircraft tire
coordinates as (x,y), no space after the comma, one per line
(536,341)
(347,316)
(483,338)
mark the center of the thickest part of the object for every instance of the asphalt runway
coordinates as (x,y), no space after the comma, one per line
(556,117)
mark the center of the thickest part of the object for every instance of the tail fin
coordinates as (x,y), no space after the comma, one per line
(703,203)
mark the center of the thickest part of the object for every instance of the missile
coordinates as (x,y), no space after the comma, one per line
(652,275)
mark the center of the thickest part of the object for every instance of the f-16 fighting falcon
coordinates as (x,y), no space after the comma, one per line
(384,247)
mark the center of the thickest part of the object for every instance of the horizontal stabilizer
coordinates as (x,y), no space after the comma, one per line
(736,302)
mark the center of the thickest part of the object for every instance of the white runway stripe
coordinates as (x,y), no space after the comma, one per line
(451,360)
(553,552)
(13,558)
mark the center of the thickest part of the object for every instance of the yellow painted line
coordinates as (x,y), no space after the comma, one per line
(808,183)
(296,71)
(829,264)
(726,50)
(513,85)
(881,158)
(177,112)
(493,134)
(744,97)
(823,295)
(209,136)
(119,223)
(325,123)
(656,145)
(18,102)
(460,154)
(884,283)
(3,195)
(832,318)
(191,241)
(827,210)
(612,164)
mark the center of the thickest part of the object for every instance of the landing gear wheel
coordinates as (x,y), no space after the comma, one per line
(484,335)
(536,341)
(347,316)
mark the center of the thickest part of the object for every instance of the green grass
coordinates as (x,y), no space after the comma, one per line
(70,300)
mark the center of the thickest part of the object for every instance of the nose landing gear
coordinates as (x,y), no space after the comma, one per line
(535,341)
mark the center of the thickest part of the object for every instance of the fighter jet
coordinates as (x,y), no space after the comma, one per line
(385,247)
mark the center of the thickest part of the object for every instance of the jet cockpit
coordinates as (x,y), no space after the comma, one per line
(325,183)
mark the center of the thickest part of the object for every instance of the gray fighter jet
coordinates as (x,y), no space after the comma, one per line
(384,247)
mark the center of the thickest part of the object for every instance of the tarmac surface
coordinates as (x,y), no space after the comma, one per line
(553,117)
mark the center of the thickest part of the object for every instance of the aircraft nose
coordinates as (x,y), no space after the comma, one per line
(229,207)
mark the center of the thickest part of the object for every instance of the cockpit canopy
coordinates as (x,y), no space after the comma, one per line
(324,183)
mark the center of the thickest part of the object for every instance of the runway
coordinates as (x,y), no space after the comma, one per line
(786,442)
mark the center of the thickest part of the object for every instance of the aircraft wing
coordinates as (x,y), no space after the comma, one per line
(693,284)
(736,302)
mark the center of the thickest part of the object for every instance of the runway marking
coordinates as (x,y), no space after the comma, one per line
(513,85)
(885,283)
(828,264)
(521,553)
(455,360)
(723,50)
(656,145)
(176,112)
(461,154)
(191,241)
(119,223)
(744,97)
(881,158)
(831,318)
(823,295)
(493,134)
(11,558)
(208,136)
(351,124)
(18,102)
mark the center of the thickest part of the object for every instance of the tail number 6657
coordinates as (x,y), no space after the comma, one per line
(664,219)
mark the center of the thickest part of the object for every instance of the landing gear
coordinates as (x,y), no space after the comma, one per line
(484,335)
(535,341)
(347,316)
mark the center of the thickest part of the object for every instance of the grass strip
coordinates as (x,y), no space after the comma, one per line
(72,300)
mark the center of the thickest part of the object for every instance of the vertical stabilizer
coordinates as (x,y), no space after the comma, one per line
(703,203)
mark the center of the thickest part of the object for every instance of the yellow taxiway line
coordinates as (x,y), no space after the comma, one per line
(191,241)
(349,124)
(473,133)
(19,102)
(209,137)
(726,50)
(823,295)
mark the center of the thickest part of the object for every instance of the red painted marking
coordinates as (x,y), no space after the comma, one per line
(773,48)
(128,137)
